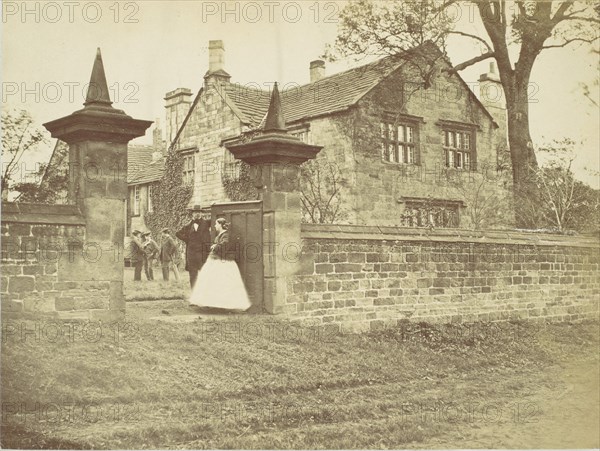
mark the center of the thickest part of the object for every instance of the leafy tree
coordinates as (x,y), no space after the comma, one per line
(521,28)
(19,134)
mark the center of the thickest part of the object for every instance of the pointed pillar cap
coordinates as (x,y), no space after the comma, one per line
(97,92)
(272,144)
(275,122)
(98,120)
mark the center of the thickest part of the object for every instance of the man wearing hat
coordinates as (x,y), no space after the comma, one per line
(196,236)
(137,254)
(151,250)
(168,255)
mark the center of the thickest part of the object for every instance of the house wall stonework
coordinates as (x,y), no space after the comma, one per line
(331,133)
(379,186)
(362,278)
(211,121)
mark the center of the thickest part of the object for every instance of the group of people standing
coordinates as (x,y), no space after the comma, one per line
(215,278)
(145,252)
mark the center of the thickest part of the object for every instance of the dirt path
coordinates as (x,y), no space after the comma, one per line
(562,414)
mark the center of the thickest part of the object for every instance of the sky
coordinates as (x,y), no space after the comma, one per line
(150,47)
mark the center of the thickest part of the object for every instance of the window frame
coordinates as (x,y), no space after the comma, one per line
(135,208)
(425,218)
(149,203)
(401,149)
(302,132)
(231,167)
(455,154)
(188,175)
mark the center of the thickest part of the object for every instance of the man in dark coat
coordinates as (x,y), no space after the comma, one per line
(137,254)
(196,236)
(168,255)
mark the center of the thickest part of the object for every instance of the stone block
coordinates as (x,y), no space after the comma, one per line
(21,284)
(334,286)
(65,286)
(38,302)
(11,305)
(347,267)
(424,283)
(383,301)
(338,257)
(12,270)
(357,257)
(32,270)
(411,258)
(323,268)
(50,268)
(392,283)
(65,303)
(350,285)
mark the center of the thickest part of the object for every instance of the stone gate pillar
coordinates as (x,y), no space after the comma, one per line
(275,158)
(97,136)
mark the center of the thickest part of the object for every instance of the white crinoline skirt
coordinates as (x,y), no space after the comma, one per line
(220,285)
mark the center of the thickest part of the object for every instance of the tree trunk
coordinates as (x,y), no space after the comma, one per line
(524,162)
(519,139)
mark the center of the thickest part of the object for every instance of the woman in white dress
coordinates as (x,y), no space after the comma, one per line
(220,283)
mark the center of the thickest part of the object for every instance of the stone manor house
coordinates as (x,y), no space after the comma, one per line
(409,155)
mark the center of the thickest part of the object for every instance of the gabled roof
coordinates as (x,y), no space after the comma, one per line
(326,96)
(140,167)
(329,95)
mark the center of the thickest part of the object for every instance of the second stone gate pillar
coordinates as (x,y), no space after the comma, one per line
(275,158)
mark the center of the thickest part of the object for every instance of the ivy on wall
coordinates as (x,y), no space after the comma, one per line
(170,198)
(241,187)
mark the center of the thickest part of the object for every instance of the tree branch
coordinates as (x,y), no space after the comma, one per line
(583,19)
(570,41)
(472,36)
(473,61)
(560,12)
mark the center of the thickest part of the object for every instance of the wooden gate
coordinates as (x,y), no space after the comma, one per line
(245,236)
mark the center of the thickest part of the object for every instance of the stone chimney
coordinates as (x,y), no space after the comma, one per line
(317,70)
(177,104)
(157,141)
(216,63)
(491,93)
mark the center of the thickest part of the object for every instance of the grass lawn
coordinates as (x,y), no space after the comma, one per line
(256,382)
(156,289)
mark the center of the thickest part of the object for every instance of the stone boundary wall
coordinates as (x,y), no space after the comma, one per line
(359,278)
(48,268)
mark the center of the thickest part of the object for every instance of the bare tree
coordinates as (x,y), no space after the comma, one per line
(561,202)
(483,205)
(19,134)
(522,28)
(321,185)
